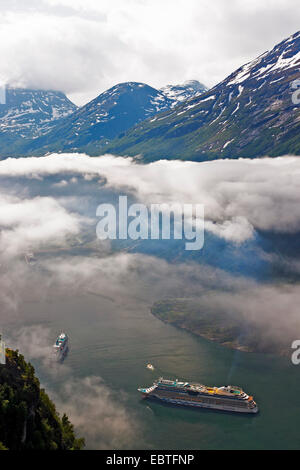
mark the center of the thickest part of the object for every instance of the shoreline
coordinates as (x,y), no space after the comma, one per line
(233,345)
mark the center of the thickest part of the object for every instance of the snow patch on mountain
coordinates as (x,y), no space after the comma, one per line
(30,113)
(182,92)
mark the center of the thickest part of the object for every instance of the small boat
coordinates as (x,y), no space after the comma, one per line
(30,258)
(150,366)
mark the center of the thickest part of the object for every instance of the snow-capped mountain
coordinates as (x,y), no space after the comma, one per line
(184,91)
(30,112)
(32,116)
(27,114)
(251,113)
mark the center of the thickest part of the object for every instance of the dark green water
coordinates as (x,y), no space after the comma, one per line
(116,340)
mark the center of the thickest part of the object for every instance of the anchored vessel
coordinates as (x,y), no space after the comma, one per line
(226,398)
(61,347)
(30,258)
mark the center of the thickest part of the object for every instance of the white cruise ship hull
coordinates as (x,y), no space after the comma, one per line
(194,404)
(226,398)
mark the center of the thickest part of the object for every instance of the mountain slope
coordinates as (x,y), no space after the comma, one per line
(249,114)
(103,118)
(27,114)
(92,127)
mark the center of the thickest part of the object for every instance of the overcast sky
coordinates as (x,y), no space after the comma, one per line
(83,47)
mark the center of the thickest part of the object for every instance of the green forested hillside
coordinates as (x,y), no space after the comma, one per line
(28,418)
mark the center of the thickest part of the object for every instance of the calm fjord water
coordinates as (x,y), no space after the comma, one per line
(115,341)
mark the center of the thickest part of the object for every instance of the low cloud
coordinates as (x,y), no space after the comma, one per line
(239,196)
(83,47)
(29,224)
(98,413)
(271,309)
(126,280)
(35,343)
(47,202)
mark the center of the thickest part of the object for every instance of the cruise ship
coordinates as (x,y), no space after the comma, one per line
(225,398)
(61,347)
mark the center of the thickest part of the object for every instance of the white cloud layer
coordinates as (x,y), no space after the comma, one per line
(28,224)
(98,414)
(82,47)
(239,196)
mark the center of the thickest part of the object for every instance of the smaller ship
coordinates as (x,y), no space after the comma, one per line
(225,398)
(30,258)
(150,366)
(61,347)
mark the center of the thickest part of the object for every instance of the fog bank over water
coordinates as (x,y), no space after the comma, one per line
(240,196)
(48,208)
(98,413)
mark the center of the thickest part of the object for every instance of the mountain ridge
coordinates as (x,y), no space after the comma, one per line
(249,114)
(111,113)
(29,113)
